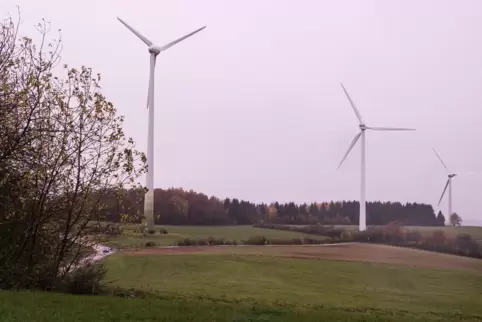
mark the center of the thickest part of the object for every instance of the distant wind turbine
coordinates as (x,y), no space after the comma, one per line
(363,128)
(450,175)
(154,51)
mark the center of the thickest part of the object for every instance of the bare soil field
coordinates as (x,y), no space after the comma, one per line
(349,252)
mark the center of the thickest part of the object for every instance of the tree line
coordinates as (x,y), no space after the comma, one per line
(177,206)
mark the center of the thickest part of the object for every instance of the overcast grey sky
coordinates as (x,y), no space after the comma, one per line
(252,108)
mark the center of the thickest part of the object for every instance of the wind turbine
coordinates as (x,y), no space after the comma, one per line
(153,51)
(361,134)
(450,175)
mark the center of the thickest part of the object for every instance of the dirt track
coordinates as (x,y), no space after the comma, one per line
(352,252)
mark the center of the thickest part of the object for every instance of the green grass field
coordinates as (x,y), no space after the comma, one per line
(44,307)
(301,283)
(268,284)
(130,239)
(177,233)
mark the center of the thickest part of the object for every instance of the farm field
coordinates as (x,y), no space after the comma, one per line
(300,277)
(176,233)
(353,252)
(350,282)
(130,239)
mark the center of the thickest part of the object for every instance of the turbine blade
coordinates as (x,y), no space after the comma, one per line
(443,193)
(467,173)
(137,33)
(438,156)
(357,113)
(352,144)
(172,43)
(375,128)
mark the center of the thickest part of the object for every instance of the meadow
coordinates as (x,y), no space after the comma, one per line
(130,239)
(304,283)
(351,282)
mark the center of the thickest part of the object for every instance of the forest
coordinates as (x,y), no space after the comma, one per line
(176,206)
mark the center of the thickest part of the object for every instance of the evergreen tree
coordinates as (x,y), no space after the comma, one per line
(440,219)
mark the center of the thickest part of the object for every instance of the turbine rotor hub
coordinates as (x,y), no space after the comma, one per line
(156,50)
(363,127)
(452,175)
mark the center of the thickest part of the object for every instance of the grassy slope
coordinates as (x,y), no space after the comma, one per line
(176,233)
(43,307)
(302,283)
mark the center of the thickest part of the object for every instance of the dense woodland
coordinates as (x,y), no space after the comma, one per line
(180,207)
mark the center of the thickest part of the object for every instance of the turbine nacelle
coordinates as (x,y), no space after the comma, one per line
(156,50)
(362,127)
(451,175)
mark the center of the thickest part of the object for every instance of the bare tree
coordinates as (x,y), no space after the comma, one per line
(62,149)
(455,219)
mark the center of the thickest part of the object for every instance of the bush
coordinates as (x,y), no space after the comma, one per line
(151,231)
(296,241)
(213,241)
(413,236)
(150,244)
(372,235)
(84,280)
(202,242)
(346,236)
(162,231)
(438,238)
(187,242)
(256,240)
(280,241)
(467,246)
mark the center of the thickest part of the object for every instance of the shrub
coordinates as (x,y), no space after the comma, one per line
(335,239)
(256,240)
(202,242)
(313,241)
(438,238)
(296,241)
(280,241)
(151,231)
(84,280)
(162,231)
(214,241)
(466,245)
(333,233)
(150,244)
(372,235)
(413,236)
(346,236)
(187,242)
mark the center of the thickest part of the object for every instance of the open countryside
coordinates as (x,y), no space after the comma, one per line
(232,207)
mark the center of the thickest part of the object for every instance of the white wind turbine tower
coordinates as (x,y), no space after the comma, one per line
(363,128)
(153,51)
